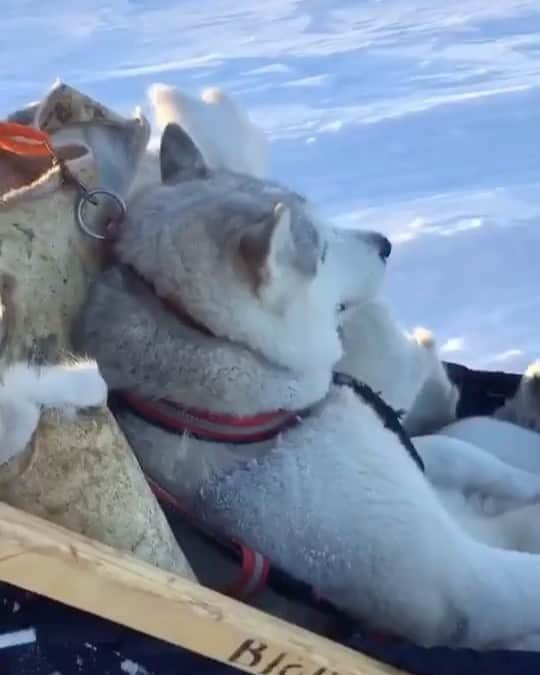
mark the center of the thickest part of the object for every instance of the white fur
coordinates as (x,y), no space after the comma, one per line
(338,503)
(480,466)
(336,500)
(505,440)
(25,390)
(403,367)
(524,407)
(221,129)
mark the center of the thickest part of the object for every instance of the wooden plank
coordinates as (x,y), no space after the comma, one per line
(57,563)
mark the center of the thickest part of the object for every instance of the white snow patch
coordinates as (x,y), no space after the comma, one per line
(132,668)
(18,637)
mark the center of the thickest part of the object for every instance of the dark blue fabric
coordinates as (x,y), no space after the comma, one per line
(70,642)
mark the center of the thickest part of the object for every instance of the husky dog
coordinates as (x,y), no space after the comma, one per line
(480,466)
(404,367)
(26,390)
(408,372)
(219,327)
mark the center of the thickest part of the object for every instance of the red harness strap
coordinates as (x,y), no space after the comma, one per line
(220,428)
(211,426)
(253,574)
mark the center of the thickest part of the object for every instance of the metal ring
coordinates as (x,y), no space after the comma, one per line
(87,197)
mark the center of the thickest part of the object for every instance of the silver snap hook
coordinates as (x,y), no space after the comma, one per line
(89,196)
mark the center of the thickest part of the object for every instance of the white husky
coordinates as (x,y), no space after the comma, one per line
(219,323)
(488,464)
(26,390)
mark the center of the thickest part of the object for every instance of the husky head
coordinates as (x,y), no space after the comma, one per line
(246,258)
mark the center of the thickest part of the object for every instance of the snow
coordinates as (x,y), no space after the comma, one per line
(417,117)
(16,638)
(132,668)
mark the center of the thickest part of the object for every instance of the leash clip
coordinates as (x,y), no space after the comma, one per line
(86,197)
(90,196)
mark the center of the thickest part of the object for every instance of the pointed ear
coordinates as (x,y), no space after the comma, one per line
(179,157)
(271,254)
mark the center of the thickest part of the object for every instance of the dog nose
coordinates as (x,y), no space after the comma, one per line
(383,245)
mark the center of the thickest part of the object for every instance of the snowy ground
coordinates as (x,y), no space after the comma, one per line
(417,117)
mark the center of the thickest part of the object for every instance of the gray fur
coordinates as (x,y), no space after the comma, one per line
(180,158)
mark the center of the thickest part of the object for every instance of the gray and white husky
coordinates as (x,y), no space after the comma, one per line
(221,316)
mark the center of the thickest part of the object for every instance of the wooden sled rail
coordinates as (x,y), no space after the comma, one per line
(41,557)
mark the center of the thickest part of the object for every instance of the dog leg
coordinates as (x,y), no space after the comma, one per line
(455,464)
(25,390)
(64,387)
(436,402)
(505,440)
(449,589)
(519,529)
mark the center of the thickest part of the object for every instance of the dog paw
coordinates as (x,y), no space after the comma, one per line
(529,409)
(523,408)
(531,378)
(424,338)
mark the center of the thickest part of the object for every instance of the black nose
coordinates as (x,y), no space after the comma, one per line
(383,245)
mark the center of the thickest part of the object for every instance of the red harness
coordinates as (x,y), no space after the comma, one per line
(204,425)
(217,428)
(254,569)
(209,426)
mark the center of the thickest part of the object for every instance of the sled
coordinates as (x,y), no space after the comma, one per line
(73,603)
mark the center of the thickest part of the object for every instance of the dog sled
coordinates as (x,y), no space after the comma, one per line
(85,586)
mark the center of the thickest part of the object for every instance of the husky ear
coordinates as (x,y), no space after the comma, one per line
(270,252)
(179,157)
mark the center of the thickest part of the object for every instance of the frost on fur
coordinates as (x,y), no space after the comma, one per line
(25,390)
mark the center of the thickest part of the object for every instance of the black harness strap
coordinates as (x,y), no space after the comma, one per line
(388,416)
